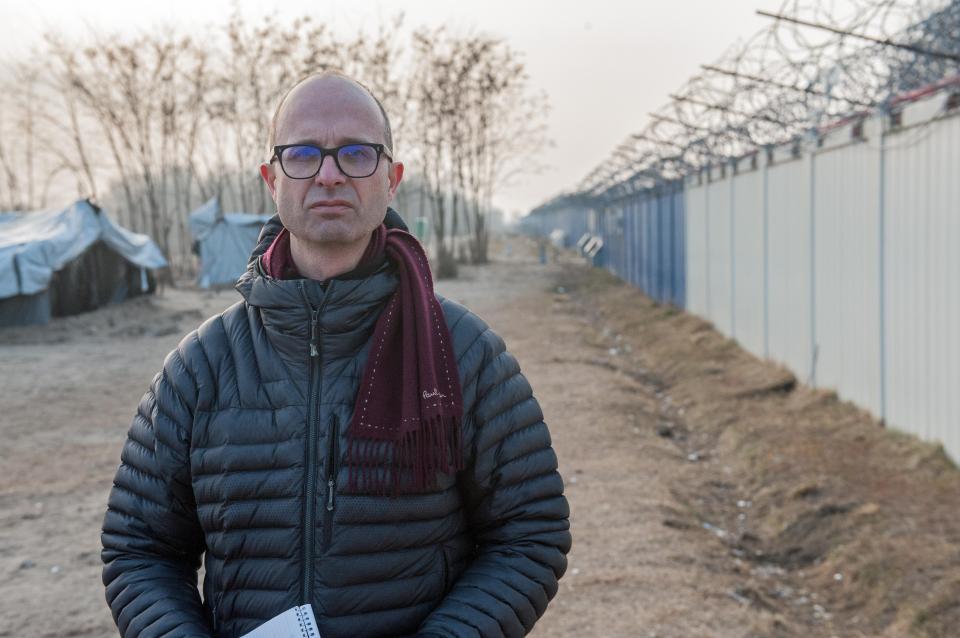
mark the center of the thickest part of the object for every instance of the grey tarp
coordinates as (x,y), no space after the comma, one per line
(84,246)
(224,242)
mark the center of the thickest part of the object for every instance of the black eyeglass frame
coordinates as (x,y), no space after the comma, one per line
(335,151)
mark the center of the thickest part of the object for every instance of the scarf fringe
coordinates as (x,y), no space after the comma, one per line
(410,465)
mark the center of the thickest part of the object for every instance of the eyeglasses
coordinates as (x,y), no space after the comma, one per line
(303,161)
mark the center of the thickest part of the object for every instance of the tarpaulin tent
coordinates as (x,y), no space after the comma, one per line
(224,242)
(63,262)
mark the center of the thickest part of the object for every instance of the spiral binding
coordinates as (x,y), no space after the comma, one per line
(307,628)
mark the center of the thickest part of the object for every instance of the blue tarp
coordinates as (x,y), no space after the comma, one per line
(33,246)
(224,242)
(62,262)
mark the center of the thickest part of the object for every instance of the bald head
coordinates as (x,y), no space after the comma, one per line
(331,215)
(301,94)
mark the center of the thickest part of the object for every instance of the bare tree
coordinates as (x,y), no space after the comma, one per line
(20,149)
(479,127)
(160,122)
(432,100)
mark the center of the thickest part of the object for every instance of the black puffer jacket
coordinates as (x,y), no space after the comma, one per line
(236,451)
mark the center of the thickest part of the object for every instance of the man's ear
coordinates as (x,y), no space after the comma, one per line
(269,178)
(395,175)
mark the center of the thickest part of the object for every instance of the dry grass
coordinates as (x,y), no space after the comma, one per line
(810,494)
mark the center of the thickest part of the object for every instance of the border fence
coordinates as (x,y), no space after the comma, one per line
(836,254)
(641,236)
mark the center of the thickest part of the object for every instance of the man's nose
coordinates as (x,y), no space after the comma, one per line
(329,174)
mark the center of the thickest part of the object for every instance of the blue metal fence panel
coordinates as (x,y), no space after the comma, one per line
(636,268)
(647,279)
(651,247)
(642,244)
(602,260)
(679,267)
(662,229)
(643,238)
(618,241)
(644,241)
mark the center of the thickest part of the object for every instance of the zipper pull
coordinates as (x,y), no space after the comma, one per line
(315,334)
(331,488)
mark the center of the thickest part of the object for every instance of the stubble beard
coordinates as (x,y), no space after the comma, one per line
(331,235)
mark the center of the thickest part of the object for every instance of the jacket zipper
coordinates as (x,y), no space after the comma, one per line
(332,458)
(214,611)
(309,512)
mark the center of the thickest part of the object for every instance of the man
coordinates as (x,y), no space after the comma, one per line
(341,437)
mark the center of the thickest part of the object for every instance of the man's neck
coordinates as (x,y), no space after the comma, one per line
(323,261)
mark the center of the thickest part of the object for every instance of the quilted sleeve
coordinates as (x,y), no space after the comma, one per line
(152,541)
(516,507)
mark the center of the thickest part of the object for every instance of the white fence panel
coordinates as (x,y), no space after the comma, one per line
(840,262)
(847,270)
(748,265)
(922,270)
(696,249)
(719,256)
(788,237)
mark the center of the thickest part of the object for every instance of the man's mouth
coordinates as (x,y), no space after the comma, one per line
(331,206)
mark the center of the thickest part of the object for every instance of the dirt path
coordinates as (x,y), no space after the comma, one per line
(704,502)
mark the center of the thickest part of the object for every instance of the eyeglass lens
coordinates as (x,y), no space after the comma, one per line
(354,160)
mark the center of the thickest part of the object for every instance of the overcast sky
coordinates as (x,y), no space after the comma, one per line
(604,64)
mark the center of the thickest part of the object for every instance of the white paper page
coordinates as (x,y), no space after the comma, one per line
(296,622)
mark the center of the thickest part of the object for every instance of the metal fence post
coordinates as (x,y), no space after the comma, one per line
(706,226)
(766,259)
(813,261)
(881,271)
(733,253)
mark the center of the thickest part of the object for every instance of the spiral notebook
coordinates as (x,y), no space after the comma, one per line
(296,622)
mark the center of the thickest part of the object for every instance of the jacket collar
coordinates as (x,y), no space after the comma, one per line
(346,308)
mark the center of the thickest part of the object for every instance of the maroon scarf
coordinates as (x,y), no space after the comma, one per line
(406,420)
